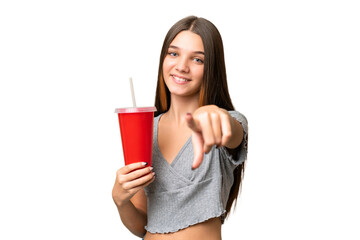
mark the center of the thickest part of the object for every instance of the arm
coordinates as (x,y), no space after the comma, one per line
(237,134)
(133,214)
(129,196)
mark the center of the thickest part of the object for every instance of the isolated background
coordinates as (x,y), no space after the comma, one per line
(293,68)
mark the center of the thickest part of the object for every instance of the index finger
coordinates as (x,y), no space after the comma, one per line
(131,167)
(198,143)
(191,123)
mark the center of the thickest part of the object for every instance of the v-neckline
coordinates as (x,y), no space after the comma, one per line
(175,159)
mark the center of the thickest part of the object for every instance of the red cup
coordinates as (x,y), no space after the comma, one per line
(136,128)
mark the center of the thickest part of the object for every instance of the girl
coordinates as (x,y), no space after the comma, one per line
(199,146)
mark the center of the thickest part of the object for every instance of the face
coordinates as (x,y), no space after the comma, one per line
(183,66)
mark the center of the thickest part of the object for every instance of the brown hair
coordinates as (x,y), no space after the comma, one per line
(213,90)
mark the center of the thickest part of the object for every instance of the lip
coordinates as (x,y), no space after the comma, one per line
(176,79)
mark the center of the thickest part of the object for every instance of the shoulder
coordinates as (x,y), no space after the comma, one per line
(239,117)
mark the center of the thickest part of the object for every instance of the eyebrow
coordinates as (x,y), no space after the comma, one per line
(198,52)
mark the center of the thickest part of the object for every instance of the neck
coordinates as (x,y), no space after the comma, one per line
(180,106)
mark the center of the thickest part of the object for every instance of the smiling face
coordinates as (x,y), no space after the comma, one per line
(183,66)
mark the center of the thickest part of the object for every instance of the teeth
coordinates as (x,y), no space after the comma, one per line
(180,79)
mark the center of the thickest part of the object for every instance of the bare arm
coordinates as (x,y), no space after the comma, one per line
(237,134)
(133,215)
(129,196)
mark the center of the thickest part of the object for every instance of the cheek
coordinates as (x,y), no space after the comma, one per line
(200,73)
(166,68)
(167,65)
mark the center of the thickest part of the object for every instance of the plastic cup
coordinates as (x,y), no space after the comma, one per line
(136,128)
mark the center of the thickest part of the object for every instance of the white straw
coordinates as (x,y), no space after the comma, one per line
(132,92)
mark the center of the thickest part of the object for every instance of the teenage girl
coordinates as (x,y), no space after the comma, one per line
(199,146)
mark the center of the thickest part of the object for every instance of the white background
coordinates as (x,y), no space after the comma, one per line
(292,70)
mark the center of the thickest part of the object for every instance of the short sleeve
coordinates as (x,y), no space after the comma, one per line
(241,151)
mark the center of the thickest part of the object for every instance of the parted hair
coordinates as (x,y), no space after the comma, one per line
(214,88)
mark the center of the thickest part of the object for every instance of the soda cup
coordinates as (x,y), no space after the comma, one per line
(136,128)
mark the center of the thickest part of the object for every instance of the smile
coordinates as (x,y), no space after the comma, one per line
(180,79)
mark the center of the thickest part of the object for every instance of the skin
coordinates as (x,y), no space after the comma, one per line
(209,126)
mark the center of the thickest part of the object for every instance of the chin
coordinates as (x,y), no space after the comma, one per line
(184,93)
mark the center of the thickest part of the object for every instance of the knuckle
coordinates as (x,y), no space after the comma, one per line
(225,115)
(147,177)
(229,135)
(136,174)
(132,192)
(226,137)
(222,110)
(210,141)
(143,172)
(204,115)
(125,186)
(214,115)
(127,168)
(121,181)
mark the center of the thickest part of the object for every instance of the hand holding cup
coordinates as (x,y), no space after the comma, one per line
(129,180)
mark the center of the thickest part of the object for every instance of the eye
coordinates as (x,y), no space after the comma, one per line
(173,54)
(198,60)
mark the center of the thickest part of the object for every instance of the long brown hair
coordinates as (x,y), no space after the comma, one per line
(213,90)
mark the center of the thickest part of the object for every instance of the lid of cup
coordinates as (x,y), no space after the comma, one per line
(135,109)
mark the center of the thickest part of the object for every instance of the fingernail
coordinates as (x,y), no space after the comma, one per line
(144,163)
(151,168)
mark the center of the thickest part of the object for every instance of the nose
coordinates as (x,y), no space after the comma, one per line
(182,65)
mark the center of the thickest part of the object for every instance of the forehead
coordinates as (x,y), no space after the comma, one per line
(189,41)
